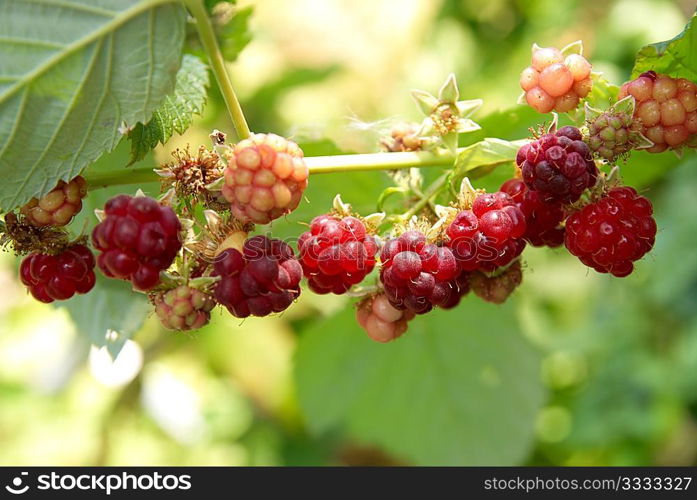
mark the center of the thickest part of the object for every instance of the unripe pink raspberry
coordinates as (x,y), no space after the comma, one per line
(58,206)
(265,178)
(183,308)
(666,109)
(381,321)
(555,83)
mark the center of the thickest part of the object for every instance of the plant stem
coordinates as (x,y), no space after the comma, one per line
(430,193)
(377,161)
(316,164)
(210,44)
(121,177)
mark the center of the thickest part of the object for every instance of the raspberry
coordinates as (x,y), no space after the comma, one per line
(558,166)
(613,134)
(666,108)
(615,231)
(381,321)
(543,221)
(58,206)
(138,238)
(488,236)
(461,287)
(555,83)
(498,288)
(262,279)
(417,275)
(265,178)
(403,137)
(184,308)
(58,277)
(336,253)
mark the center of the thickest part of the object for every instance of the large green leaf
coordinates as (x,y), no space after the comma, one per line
(176,112)
(676,57)
(460,387)
(71,74)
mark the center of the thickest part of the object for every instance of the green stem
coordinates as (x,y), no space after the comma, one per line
(210,44)
(316,165)
(432,191)
(121,177)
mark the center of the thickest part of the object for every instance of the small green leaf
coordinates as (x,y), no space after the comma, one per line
(490,152)
(603,94)
(71,75)
(176,112)
(676,57)
(461,387)
(235,34)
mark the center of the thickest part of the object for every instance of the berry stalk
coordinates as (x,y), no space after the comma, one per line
(315,164)
(210,44)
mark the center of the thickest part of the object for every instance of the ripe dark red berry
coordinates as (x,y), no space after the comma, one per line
(558,166)
(461,287)
(58,206)
(417,275)
(138,238)
(336,253)
(58,277)
(262,279)
(381,321)
(543,221)
(666,108)
(488,236)
(265,178)
(496,289)
(184,308)
(612,233)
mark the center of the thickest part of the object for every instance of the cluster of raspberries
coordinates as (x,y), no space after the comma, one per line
(553,82)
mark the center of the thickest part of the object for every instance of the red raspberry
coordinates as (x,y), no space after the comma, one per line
(380,320)
(555,83)
(615,231)
(558,166)
(58,277)
(262,279)
(543,221)
(417,275)
(488,236)
(336,253)
(498,288)
(461,287)
(138,238)
(184,308)
(667,108)
(265,178)
(58,206)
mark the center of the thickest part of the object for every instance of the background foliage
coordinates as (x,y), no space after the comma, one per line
(577,369)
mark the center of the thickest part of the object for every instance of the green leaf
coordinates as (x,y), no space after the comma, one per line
(460,387)
(110,314)
(486,154)
(234,35)
(176,112)
(71,74)
(676,57)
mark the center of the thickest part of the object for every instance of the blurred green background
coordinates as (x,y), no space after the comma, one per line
(576,369)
